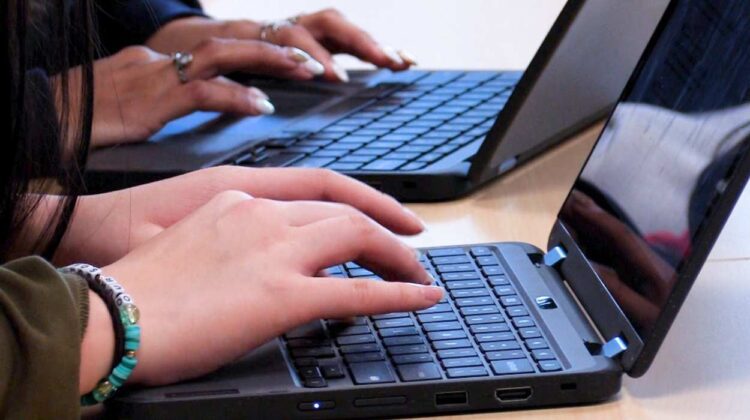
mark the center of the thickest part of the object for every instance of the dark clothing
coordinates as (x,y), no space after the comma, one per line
(131,22)
(43,316)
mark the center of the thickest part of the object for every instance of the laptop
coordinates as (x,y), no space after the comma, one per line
(521,327)
(417,135)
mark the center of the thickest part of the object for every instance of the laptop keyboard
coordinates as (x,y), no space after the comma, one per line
(481,328)
(406,129)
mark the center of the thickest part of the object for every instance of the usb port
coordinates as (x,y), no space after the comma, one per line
(513,394)
(451,398)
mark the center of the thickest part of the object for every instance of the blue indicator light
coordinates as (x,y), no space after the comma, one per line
(316,405)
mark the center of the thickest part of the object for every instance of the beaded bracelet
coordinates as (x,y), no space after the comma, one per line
(127,314)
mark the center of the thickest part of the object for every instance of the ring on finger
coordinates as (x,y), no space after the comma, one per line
(271,28)
(181,61)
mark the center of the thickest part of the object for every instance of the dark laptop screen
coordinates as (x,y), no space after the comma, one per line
(664,156)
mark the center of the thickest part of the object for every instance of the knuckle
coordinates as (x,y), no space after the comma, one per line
(232,197)
(362,291)
(361,225)
(210,46)
(199,91)
(139,53)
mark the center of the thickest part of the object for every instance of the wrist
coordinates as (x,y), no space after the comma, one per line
(98,345)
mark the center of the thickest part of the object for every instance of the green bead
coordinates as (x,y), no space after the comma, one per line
(129,314)
(129,362)
(115,380)
(122,372)
(131,344)
(133,332)
(88,400)
(102,391)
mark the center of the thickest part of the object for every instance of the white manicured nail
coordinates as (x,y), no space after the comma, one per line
(298,55)
(258,92)
(408,58)
(264,106)
(392,55)
(314,67)
(340,72)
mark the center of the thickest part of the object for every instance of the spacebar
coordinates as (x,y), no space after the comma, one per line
(278,160)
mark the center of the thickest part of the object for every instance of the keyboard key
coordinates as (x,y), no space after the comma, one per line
(355,339)
(384,165)
(392,323)
(403,340)
(510,367)
(312,329)
(474,301)
(337,166)
(308,342)
(516,311)
(430,157)
(493,270)
(306,362)
(315,383)
(310,372)
(361,272)
(481,251)
(542,354)
(414,166)
(349,330)
(512,300)
(496,336)
(498,280)
(444,252)
(466,372)
(418,372)
(391,315)
(332,370)
(403,359)
(504,290)
(499,346)
(536,343)
(484,319)
(454,353)
(413,348)
(438,317)
(549,366)
(489,328)
(364,357)
(523,322)
(372,152)
(401,156)
(469,293)
(480,310)
(321,352)
(395,332)
(371,373)
(355,159)
(314,162)
(527,333)
(462,284)
(461,276)
(462,362)
(359,348)
(488,260)
(451,344)
(441,326)
(452,268)
(441,307)
(505,355)
(454,259)
(446,335)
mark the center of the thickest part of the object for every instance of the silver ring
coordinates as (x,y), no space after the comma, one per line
(270,28)
(181,60)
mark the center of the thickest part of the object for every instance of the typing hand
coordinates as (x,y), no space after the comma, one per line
(321,34)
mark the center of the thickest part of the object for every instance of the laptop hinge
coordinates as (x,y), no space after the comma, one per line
(555,256)
(614,347)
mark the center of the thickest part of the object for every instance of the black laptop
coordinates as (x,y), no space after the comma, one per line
(521,327)
(417,135)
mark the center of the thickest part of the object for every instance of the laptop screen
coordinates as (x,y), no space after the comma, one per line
(665,155)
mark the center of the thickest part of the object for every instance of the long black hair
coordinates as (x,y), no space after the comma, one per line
(46,81)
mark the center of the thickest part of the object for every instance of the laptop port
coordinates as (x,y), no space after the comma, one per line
(513,394)
(451,398)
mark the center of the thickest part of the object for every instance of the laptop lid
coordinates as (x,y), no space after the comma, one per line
(663,178)
(574,79)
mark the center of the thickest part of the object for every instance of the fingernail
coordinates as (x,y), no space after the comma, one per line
(264,106)
(408,58)
(298,55)
(415,216)
(340,72)
(432,293)
(258,92)
(392,55)
(314,67)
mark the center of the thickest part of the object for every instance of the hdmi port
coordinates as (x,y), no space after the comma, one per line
(513,394)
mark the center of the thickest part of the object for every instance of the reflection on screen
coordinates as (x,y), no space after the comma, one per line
(664,156)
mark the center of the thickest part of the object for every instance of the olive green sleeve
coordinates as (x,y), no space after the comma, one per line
(43,315)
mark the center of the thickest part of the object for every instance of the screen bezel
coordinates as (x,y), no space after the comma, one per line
(638,358)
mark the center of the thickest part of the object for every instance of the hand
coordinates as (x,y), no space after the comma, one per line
(137,91)
(321,34)
(106,227)
(629,258)
(239,271)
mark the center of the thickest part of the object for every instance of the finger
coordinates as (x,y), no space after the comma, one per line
(213,95)
(298,36)
(301,213)
(357,238)
(339,35)
(321,185)
(215,57)
(340,298)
